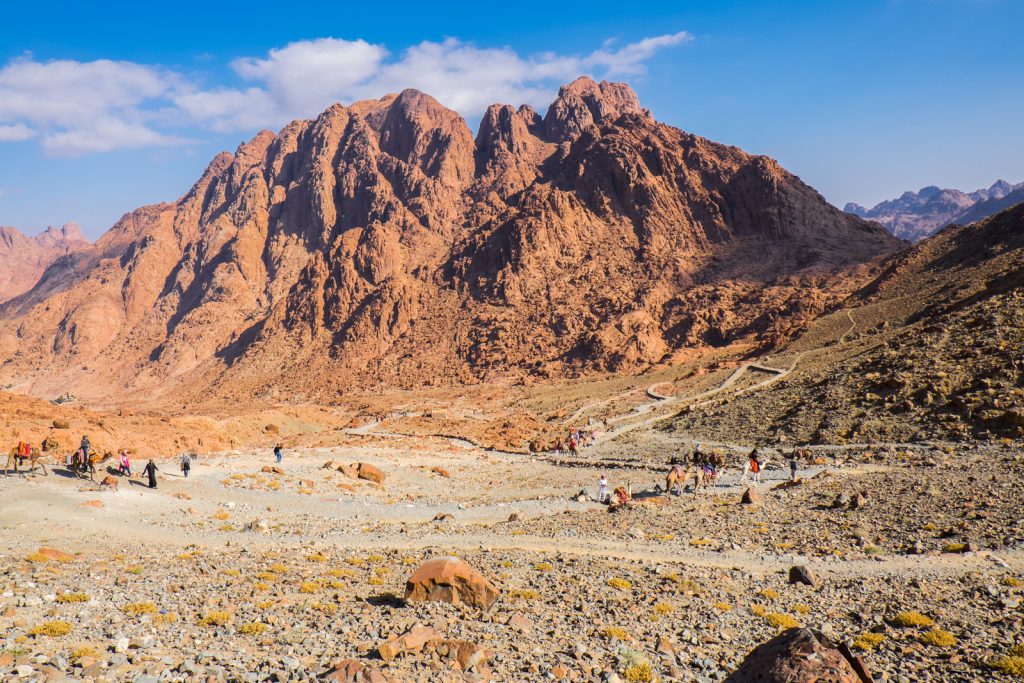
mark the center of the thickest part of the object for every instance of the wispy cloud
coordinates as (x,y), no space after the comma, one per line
(79,108)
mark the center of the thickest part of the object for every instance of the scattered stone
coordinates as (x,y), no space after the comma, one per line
(798,655)
(370,473)
(801,574)
(411,642)
(751,497)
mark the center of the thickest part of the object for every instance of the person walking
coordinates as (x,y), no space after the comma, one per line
(278,453)
(792,465)
(186,464)
(125,465)
(602,488)
(150,472)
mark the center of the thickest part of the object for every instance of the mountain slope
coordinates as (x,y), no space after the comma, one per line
(933,351)
(916,215)
(381,242)
(23,259)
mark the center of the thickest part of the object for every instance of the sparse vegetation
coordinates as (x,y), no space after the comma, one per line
(253,628)
(65,598)
(52,629)
(781,621)
(620,584)
(135,609)
(215,618)
(615,633)
(938,638)
(868,641)
(912,620)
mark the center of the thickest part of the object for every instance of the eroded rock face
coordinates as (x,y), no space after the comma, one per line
(449,579)
(797,655)
(380,242)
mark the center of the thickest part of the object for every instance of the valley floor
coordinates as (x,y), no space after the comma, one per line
(243,574)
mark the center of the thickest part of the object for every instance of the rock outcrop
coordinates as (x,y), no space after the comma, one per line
(382,243)
(798,655)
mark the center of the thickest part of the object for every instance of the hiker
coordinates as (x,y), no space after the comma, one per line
(125,468)
(792,465)
(186,464)
(278,453)
(150,472)
(602,488)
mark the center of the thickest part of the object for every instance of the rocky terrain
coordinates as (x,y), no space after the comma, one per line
(930,350)
(382,243)
(23,259)
(250,573)
(916,215)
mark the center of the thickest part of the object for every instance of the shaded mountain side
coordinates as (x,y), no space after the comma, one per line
(381,242)
(23,259)
(934,352)
(916,215)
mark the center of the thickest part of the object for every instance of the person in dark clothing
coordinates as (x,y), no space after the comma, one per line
(278,453)
(150,472)
(186,464)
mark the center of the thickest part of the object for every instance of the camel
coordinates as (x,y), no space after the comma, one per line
(34,457)
(709,470)
(749,470)
(80,465)
(676,478)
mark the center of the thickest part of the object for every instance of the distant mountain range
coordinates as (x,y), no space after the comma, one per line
(23,259)
(916,215)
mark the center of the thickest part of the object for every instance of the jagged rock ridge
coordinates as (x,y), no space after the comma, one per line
(381,242)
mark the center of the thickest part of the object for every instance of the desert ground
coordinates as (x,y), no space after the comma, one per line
(241,573)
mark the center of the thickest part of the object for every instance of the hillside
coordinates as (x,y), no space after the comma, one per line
(382,243)
(905,359)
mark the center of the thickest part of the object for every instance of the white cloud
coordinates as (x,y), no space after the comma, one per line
(15,132)
(82,107)
(302,79)
(79,108)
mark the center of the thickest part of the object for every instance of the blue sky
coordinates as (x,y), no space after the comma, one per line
(102,111)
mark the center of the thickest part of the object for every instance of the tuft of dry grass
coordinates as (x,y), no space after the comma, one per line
(619,584)
(253,628)
(135,609)
(316,557)
(53,629)
(954,547)
(523,594)
(769,594)
(221,515)
(615,633)
(215,618)
(165,618)
(938,638)
(640,672)
(543,566)
(781,621)
(868,641)
(912,620)
(801,608)
(65,598)
(1012,665)
(723,606)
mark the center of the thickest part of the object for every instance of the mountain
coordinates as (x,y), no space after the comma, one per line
(916,215)
(23,259)
(382,244)
(930,350)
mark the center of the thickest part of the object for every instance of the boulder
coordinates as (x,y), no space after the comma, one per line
(751,497)
(350,471)
(410,642)
(798,655)
(370,473)
(449,579)
(54,554)
(441,471)
(857,501)
(802,574)
(841,501)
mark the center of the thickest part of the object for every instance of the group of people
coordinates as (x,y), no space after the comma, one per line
(576,439)
(124,466)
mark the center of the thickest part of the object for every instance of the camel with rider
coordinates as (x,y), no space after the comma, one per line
(756,464)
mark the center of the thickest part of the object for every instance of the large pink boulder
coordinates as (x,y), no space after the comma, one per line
(449,579)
